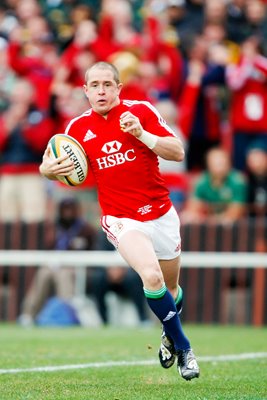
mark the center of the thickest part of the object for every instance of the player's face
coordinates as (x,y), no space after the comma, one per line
(102,90)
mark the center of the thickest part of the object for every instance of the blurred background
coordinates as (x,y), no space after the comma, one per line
(203,65)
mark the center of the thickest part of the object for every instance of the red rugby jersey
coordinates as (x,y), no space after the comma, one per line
(126,171)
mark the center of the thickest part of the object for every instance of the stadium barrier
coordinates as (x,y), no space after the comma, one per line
(224,272)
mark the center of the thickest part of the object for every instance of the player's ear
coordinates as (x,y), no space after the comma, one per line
(120,87)
(85,90)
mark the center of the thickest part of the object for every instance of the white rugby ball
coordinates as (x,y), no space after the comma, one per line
(60,145)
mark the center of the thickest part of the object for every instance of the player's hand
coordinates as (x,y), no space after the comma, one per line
(131,124)
(51,168)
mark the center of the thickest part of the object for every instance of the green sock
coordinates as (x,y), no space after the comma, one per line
(179,300)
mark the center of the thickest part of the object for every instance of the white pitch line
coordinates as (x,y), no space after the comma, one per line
(220,358)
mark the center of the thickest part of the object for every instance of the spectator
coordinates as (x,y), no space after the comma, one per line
(81,12)
(26,10)
(7,76)
(256,17)
(24,133)
(256,168)
(179,117)
(58,13)
(215,11)
(71,232)
(195,15)
(247,81)
(7,21)
(120,280)
(182,18)
(116,26)
(159,45)
(206,129)
(219,194)
(83,50)
(236,25)
(66,102)
(136,77)
(33,56)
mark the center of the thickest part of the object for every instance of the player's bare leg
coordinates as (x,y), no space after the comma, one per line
(171,273)
(136,248)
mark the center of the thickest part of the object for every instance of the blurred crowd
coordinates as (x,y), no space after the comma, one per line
(202,63)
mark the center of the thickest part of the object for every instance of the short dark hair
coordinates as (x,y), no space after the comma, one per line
(104,65)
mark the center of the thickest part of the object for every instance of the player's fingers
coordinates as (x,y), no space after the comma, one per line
(132,126)
(129,117)
(63,158)
(62,169)
(125,114)
(65,172)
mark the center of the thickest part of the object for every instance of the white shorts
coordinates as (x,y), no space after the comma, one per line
(164,232)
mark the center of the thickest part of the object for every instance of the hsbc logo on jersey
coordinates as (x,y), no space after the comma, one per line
(111,147)
(114,157)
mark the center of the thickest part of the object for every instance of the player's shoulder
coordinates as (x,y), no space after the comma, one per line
(138,104)
(79,120)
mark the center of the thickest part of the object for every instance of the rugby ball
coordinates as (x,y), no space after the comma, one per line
(60,145)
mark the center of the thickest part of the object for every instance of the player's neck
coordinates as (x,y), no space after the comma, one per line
(115,104)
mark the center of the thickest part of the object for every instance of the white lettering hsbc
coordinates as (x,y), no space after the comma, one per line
(115,159)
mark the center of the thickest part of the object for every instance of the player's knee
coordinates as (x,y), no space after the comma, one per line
(152,279)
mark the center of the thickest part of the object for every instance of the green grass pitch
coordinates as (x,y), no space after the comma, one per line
(79,348)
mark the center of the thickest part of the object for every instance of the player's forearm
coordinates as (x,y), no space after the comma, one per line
(169,148)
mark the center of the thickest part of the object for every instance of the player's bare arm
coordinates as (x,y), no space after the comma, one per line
(51,168)
(170,148)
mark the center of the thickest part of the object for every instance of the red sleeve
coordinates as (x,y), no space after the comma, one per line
(151,120)
(187,106)
(38,135)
